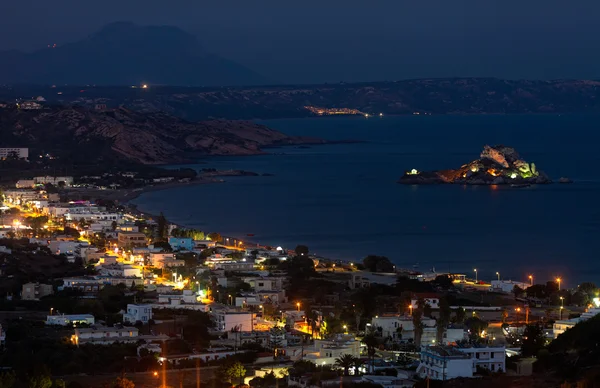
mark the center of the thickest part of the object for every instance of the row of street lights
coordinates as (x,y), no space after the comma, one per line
(530,277)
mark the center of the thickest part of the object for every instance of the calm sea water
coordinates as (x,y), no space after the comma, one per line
(343,200)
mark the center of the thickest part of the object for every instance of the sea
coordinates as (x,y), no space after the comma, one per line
(343,200)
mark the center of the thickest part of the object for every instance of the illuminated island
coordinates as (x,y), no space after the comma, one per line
(497,165)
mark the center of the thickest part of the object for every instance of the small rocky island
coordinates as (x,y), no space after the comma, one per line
(497,165)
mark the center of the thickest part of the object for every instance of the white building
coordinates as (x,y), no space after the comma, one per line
(454,334)
(25,184)
(93,284)
(138,312)
(103,335)
(399,326)
(54,180)
(94,217)
(21,153)
(187,300)
(563,325)
(432,300)
(444,363)
(68,320)
(60,209)
(156,259)
(326,351)
(120,270)
(492,358)
(507,286)
(226,320)
(261,283)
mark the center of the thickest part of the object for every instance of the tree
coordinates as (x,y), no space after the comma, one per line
(346,361)
(232,372)
(533,341)
(517,291)
(443,281)
(459,315)
(301,250)
(375,263)
(588,288)
(113,225)
(39,381)
(417,316)
(551,287)
(164,245)
(476,326)
(8,380)
(71,232)
(122,382)
(214,236)
(537,291)
(162,226)
(371,342)
(36,223)
(444,319)
(303,367)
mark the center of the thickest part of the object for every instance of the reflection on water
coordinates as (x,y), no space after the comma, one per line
(343,200)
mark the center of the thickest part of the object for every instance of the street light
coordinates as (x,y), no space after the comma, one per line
(558,280)
(345,329)
(298,305)
(561,309)
(498,274)
(475,270)
(531,280)
(410,307)
(230,299)
(51,310)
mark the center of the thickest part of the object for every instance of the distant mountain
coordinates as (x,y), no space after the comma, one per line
(126,54)
(84,135)
(420,96)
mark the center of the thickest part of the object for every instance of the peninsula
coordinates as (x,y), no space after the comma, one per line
(497,165)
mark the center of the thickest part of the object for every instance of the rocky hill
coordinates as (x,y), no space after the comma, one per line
(126,54)
(423,96)
(497,165)
(79,133)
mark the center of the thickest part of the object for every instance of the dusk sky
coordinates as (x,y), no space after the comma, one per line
(333,40)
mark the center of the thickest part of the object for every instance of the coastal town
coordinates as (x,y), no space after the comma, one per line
(94,291)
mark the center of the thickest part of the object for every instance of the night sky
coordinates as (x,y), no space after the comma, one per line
(333,40)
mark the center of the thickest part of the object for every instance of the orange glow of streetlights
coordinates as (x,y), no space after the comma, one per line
(558,280)
(531,279)
(298,305)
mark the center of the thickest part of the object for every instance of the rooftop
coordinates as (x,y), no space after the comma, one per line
(445,351)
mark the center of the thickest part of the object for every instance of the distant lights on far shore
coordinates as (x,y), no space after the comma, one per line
(145,86)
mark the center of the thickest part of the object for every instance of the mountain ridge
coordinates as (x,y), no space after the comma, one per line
(415,96)
(124,53)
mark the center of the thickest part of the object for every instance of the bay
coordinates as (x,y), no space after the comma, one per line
(343,200)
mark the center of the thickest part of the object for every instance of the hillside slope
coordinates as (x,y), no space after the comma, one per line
(148,138)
